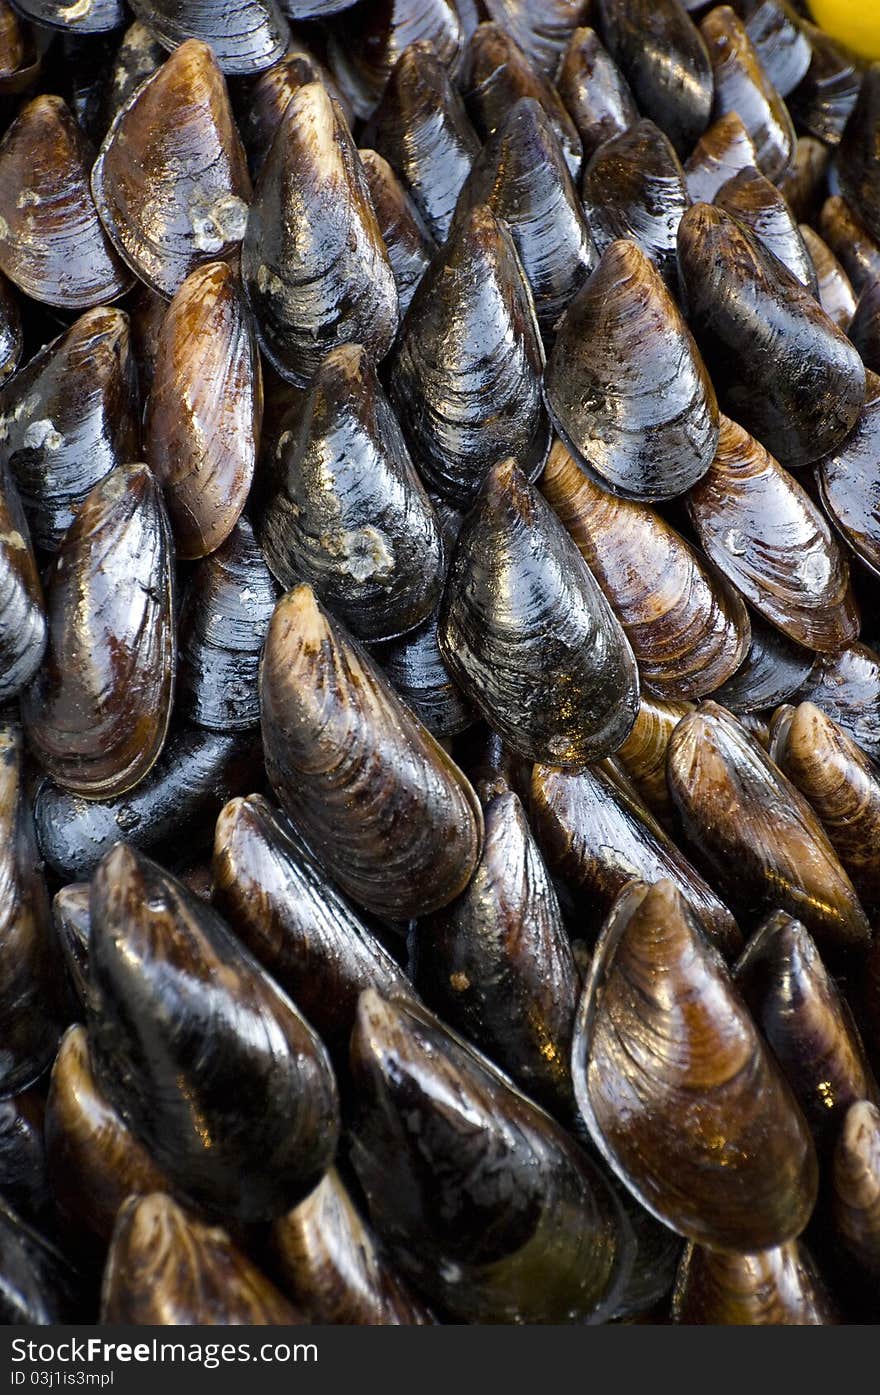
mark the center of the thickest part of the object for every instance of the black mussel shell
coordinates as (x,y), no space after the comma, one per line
(72,921)
(541,28)
(527,633)
(521,176)
(823,100)
(69,417)
(91,17)
(97,712)
(858,159)
(207,1061)
(137,58)
(742,85)
(497,75)
(23,628)
(849,480)
(806,1022)
(332,1267)
(595,91)
(804,182)
(466,381)
(779,1287)
(260,105)
(223,622)
(486,1204)
(864,328)
(719,154)
(779,39)
(408,243)
(836,295)
(634,187)
(688,630)
(497,963)
(364,49)
(313,262)
(751,198)
(38,1286)
(377,800)
(421,128)
(414,666)
(643,754)
(294,921)
(349,513)
(596,835)
(856,1188)
(52,244)
(24,1183)
(245,37)
(679,1092)
(665,62)
(763,531)
(763,843)
(171,180)
(166,1268)
(172,811)
(790,376)
(625,385)
(11,334)
(773,669)
(847,687)
(851,243)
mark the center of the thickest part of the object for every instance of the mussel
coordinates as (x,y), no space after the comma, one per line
(24,1182)
(38,1285)
(847,687)
(541,28)
(773,669)
(824,99)
(719,154)
(91,17)
(19,58)
(742,85)
(849,481)
(22,616)
(856,1187)
(415,667)
(779,39)
(643,753)
(138,56)
(864,328)
(751,198)
(836,295)
(773,1287)
(595,91)
(850,241)
(803,184)
(245,37)
(858,160)
(364,50)
(11,332)
(72,922)
(408,243)
(260,105)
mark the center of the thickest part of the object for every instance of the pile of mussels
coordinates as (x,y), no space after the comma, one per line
(439,576)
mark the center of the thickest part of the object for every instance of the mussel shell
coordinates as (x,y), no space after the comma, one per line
(719,154)
(751,198)
(166,1268)
(541,28)
(377,800)
(137,58)
(38,1286)
(764,845)
(851,243)
(774,1287)
(847,687)
(72,921)
(836,295)
(172,810)
(349,514)
(824,99)
(260,105)
(52,244)
(22,616)
(792,377)
(773,669)
(762,530)
(466,380)
(93,17)
(94,1161)
(634,187)
(742,85)
(11,335)
(208,1062)
(779,39)
(364,50)
(625,385)
(97,712)
(330,1264)
(19,57)
(313,262)
(171,180)
(864,330)
(688,630)
(849,481)
(414,666)
(245,38)
(643,753)
(24,1183)
(486,1204)
(856,1187)
(294,921)
(408,243)
(523,620)
(857,159)
(665,62)
(596,835)
(70,417)
(595,91)
(421,128)
(803,184)
(678,1090)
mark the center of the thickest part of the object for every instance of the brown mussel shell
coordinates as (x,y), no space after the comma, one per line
(804,182)
(680,1094)
(643,753)
(719,154)
(849,481)
(208,1062)
(774,1287)
(38,1286)
(789,375)
(72,921)
(313,262)
(521,176)
(742,85)
(688,630)
(203,417)
(349,514)
(851,243)
(245,38)
(376,799)
(763,531)
(91,17)
(486,1204)
(842,785)
(408,243)
(70,416)
(52,244)
(764,845)
(836,295)
(94,1161)
(524,622)
(414,666)
(596,834)
(856,1187)
(330,1264)
(294,921)
(750,197)
(97,712)
(22,615)
(634,187)
(858,164)
(364,49)
(11,335)
(664,59)
(595,91)
(260,105)
(625,385)
(466,380)
(171,181)
(847,687)
(541,28)
(773,669)
(166,1268)
(779,39)
(824,99)
(497,963)
(19,58)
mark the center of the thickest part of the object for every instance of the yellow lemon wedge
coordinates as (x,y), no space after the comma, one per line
(855,22)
